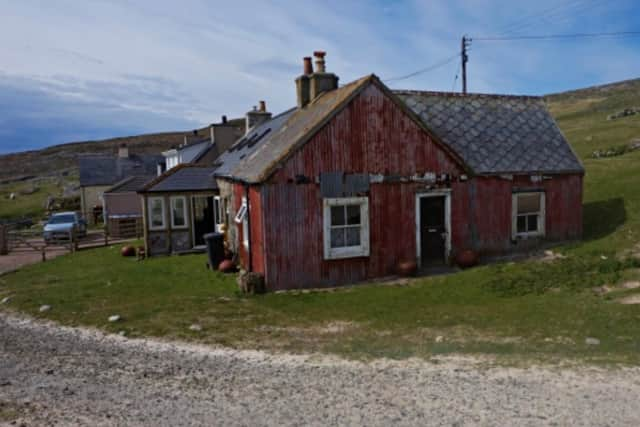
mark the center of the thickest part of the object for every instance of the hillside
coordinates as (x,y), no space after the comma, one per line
(58,158)
(582,115)
(611,195)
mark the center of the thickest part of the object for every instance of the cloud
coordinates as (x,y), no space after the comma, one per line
(167,64)
(35,116)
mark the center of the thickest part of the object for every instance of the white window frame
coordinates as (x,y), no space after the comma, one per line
(361,250)
(184,211)
(242,217)
(541,229)
(150,213)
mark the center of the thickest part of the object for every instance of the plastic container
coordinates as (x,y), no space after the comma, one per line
(215,249)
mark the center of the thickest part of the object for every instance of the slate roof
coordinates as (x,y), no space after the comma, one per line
(131,184)
(183,178)
(98,169)
(487,134)
(496,134)
(293,129)
(227,164)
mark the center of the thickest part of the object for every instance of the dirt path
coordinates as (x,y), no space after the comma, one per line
(50,374)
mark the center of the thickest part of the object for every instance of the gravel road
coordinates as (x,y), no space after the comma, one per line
(52,375)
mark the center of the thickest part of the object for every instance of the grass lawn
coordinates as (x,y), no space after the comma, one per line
(533,310)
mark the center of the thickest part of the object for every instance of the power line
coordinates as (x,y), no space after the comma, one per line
(551,16)
(528,19)
(560,36)
(424,70)
(455,79)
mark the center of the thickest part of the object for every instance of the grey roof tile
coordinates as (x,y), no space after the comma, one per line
(495,133)
(98,169)
(182,178)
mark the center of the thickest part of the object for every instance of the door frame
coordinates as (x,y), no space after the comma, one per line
(446,193)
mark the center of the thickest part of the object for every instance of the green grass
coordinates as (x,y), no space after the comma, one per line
(31,205)
(514,311)
(477,311)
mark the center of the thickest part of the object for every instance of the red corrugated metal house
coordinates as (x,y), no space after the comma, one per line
(358,179)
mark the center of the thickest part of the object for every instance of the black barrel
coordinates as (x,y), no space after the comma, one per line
(215,249)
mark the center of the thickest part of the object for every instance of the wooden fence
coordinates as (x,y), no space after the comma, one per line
(13,240)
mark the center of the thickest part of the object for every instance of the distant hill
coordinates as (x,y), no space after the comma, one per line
(64,157)
(583,115)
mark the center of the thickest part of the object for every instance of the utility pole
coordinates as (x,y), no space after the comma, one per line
(466,42)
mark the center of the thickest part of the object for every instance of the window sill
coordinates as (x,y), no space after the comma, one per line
(524,236)
(346,253)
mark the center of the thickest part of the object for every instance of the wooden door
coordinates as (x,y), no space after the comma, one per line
(432,230)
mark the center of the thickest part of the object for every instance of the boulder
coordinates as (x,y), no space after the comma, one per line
(114,318)
(592,341)
(44,308)
(195,327)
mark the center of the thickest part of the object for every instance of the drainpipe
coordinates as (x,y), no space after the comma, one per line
(249,249)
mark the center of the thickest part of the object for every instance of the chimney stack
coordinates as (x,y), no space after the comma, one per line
(123,151)
(302,82)
(223,135)
(312,84)
(257,116)
(321,81)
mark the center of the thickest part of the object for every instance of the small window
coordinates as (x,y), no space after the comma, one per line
(156,213)
(346,227)
(528,214)
(178,212)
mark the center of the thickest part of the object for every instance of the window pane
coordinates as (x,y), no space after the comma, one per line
(178,213)
(217,211)
(353,236)
(522,224)
(353,214)
(532,222)
(528,203)
(156,213)
(337,215)
(337,237)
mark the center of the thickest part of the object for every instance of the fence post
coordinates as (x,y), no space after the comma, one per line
(4,240)
(106,236)
(74,240)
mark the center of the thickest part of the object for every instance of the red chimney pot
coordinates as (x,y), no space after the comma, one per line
(308,67)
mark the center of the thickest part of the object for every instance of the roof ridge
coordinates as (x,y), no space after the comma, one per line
(466,95)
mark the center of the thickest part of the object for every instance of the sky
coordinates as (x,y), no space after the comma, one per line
(73,70)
